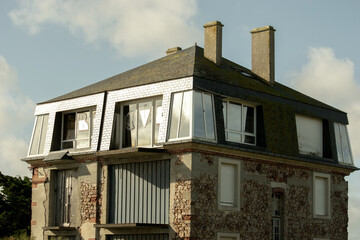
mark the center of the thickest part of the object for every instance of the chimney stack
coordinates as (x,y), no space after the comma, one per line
(213,41)
(263,52)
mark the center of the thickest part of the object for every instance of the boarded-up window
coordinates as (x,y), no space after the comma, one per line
(139,193)
(343,144)
(39,135)
(310,135)
(161,236)
(229,175)
(321,191)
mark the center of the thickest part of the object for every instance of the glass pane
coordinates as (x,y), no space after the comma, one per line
(69,126)
(338,142)
(144,123)
(185,115)
(34,149)
(225,114)
(43,133)
(83,125)
(159,119)
(234,121)
(233,137)
(347,158)
(228,184)
(249,139)
(248,124)
(175,114)
(199,124)
(85,143)
(209,116)
(130,125)
(69,144)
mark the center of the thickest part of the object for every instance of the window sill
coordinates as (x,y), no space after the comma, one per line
(130,225)
(59,228)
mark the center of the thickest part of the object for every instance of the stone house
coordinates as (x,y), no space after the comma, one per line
(191,146)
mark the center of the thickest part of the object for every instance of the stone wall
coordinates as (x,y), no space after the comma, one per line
(253,221)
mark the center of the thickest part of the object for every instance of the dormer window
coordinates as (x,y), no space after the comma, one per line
(77,129)
(192,116)
(310,135)
(240,122)
(343,144)
(39,135)
(137,123)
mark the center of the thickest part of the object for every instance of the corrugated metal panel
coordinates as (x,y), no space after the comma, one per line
(139,192)
(163,236)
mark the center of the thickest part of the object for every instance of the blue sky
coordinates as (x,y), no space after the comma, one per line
(51,47)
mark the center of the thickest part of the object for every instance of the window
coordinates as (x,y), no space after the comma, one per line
(310,135)
(39,135)
(343,144)
(139,192)
(277,215)
(229,184)
(192,115)
(321,195)
(77,129)
(239,121)
(228,236)
(63,189)
(137,123)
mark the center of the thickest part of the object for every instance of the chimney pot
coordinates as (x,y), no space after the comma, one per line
(213,41)
(263,52)
(173,50)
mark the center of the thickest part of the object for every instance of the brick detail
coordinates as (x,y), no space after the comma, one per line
(32,223)
(33,204)
(34,185)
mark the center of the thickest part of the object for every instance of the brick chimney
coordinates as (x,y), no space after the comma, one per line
(213,41)
(263,52)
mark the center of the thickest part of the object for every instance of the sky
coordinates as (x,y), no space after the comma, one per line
(51,47)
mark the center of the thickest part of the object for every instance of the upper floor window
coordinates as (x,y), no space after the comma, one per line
(343,144)
(321,195)
(229,184)
(77,129)
(192,115)
(137,123)
(240,122)
(310,135)
(39,135)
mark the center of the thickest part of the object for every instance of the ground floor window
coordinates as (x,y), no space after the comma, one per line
(277,216)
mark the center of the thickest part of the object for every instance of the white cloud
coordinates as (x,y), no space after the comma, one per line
(16,115)
(331,80)
(132,27)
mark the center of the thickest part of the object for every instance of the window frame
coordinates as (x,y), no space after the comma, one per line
(153,117)
(191,116)
(242,132)
(91,127)
(237,184)
(327,197)
(41,133)
(231,235)
(338,141)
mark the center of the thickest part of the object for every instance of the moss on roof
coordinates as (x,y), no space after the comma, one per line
(191,62)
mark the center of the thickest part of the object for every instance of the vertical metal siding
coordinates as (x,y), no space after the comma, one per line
(139,192)
(162,236)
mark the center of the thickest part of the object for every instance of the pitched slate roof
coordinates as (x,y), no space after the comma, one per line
(186,63)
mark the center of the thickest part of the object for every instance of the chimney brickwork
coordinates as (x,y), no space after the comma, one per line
(263,52)
(213,41)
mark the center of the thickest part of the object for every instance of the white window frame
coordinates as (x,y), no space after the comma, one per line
(92,112)
(137,101)
(339,145)
(192,120)
(327,197)
(242,132)
(237,164)
(41,132)
(232,235)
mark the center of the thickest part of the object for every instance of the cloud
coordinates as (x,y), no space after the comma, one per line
(16,116)
(132,27)
(330,79)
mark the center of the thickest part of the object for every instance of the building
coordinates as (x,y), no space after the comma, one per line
(191,146)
